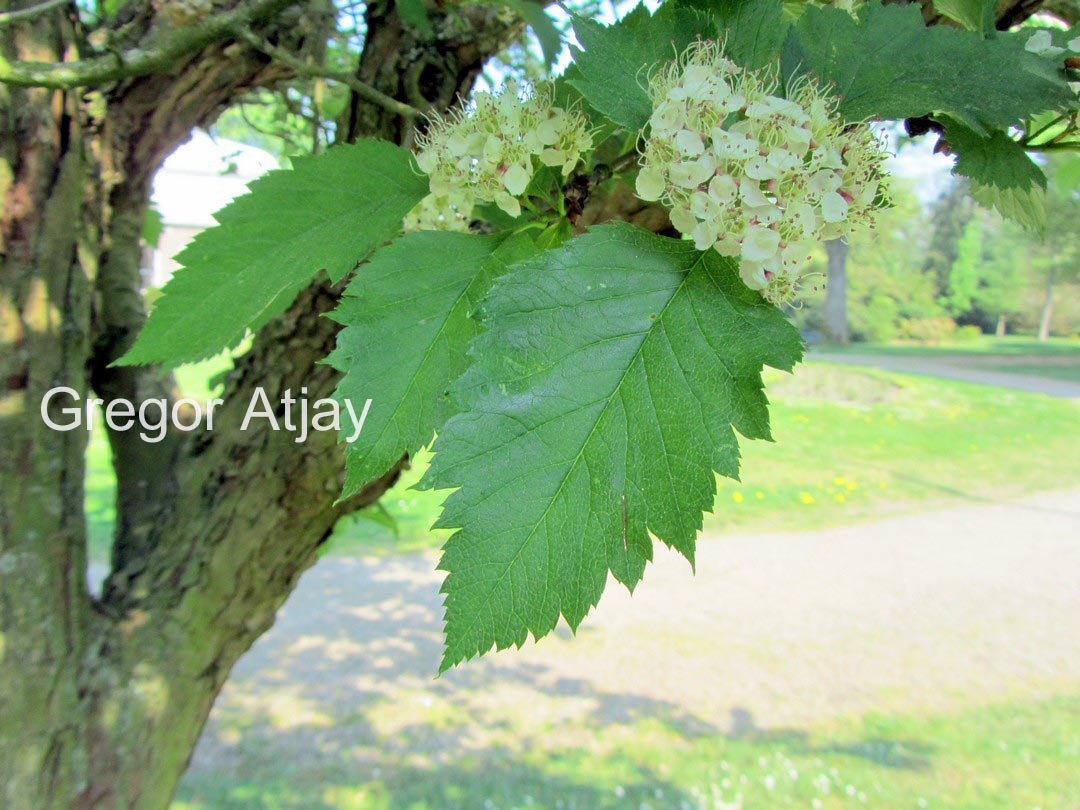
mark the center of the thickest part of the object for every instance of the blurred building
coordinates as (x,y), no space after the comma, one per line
(199,178)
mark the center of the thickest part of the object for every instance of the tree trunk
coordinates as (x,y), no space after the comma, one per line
(1000,330)
(102,700)
(836,325)
(45,332)
(1047,310)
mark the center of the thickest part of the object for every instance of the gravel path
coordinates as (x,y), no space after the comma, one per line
(965,368)
(931,611)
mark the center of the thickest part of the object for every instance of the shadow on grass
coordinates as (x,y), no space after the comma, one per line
(338,707)
(961,494)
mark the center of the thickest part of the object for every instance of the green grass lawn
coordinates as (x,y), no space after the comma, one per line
(1001,757)
(1009,346)
(851,444)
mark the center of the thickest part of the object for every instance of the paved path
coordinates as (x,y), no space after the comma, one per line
(956,367)
(932,611)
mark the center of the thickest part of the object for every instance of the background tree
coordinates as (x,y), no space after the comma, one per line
(1056,256)
(1002,279)
(949,216)
(835,310)
(1020,273)
(964,275)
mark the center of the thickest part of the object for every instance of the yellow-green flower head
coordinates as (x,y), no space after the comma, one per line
(754,175)
(490,152)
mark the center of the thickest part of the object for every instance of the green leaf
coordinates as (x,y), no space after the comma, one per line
(1002,174)
(547,33)
(414,14)
(754,30)
(889,65)
(407,328)
(152,227)
(996,159)
(1067,174)
(974,15)
(327,214)
(603,397)
(1027,206)
(616,59)
(378,514)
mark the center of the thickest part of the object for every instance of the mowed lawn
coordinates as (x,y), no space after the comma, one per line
(850,444)
(1004,757)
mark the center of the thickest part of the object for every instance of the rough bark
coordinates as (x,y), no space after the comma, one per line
(102,700)
(836,324)
(44,610)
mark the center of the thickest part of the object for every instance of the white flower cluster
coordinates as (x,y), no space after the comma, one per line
(753,175)
(1042,44)
(488,153)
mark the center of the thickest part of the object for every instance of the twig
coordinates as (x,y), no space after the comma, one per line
(361,88)
(155,57)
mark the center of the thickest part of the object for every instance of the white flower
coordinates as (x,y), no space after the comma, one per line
(753,274)
(704,235)
(704,206)
(722,188)
(689,143)
(733,144)
(491,152)
(759,168)
(683,220)
(650,184)
(516,179)
(760,243)
(731,157)
(508,203)
(763,214)
(1041,44)
(752,195)
(833,207)
(800,217)
(692,173)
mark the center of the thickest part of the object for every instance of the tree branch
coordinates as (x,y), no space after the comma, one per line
(23,14)
(157,57)
(361,88)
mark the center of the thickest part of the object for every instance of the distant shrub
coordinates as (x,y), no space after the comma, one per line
(928,330)
(874,319)
(967,333)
